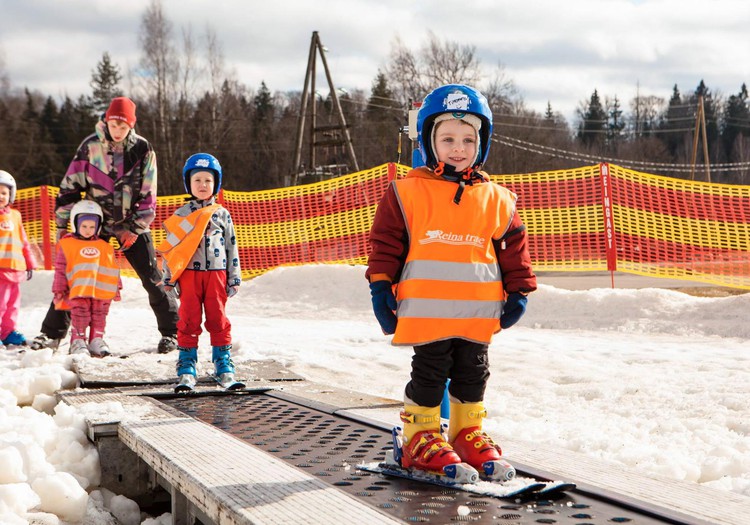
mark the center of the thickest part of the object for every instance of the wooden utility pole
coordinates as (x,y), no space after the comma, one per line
(700,127)
(308,95)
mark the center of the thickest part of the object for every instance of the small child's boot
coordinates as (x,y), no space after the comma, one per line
(424,446)
(78,346)
(222,360)
(473,445)
(186,361)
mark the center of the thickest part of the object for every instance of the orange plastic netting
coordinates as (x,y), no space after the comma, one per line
(593,218)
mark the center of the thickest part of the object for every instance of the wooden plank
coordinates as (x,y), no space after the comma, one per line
(234,483)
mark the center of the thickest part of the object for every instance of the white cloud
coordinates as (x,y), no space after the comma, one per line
(554,51)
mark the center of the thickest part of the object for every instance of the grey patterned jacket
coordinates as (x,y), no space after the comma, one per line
(218,249)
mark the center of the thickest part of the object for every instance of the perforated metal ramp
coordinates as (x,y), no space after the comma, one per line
(328,447)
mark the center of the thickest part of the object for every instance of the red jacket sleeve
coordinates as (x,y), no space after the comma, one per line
(389,239)
(513,256)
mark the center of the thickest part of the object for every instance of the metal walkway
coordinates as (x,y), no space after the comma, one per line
(328,447)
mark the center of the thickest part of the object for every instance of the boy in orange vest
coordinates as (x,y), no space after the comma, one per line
(203,268)
(449,241)
(16,262)
(87,279)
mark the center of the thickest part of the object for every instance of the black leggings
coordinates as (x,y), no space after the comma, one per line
(465,363)
(142,258)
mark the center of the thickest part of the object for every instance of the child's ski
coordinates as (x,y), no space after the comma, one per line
(517,487)
(498,479)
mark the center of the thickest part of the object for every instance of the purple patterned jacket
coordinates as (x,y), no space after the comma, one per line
(121,180)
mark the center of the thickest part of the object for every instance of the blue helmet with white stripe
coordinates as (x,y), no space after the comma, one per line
(202,162)
(458,100)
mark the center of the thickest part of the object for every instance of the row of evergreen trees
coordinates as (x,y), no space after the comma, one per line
(253,130)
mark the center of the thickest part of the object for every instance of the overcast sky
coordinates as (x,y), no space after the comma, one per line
(556,51)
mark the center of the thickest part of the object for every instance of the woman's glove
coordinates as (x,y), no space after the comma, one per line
(515,307)
(384,304)
(127,239)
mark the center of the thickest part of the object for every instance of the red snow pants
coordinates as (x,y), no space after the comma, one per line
(203,291)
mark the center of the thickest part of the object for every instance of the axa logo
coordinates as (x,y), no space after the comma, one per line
(202,163)
(457,101)
(458,239)
(6,226)
(90,252)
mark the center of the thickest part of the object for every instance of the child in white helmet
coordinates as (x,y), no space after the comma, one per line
(87,279)
(16,262)
(449,267)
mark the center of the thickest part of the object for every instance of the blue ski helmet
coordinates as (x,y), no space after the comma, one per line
(453,98)
(202,162)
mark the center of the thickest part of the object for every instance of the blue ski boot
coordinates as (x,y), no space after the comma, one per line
(224,368)
(186,369)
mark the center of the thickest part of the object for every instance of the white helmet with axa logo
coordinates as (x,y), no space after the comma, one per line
(8,180)
(84,210)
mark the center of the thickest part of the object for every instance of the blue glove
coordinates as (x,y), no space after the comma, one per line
(383,304)
(515,307)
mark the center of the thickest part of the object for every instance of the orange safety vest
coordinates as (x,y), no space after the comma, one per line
(450,286)
(184,235)
(90,268)
(11,241)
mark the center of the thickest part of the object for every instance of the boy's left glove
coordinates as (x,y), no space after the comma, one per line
(172,289)
(29,274)
(515,307)
(232,291)
(383,304)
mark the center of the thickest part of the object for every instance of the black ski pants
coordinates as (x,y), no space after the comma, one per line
(142,258)
(464,362)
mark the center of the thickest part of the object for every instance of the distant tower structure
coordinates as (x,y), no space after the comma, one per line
(336,135)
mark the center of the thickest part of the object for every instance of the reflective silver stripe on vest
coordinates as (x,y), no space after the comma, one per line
(449,309)
(451,271)
(186,226)
(7,246)
(92,281)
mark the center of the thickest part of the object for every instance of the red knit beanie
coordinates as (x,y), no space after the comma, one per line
(121,108)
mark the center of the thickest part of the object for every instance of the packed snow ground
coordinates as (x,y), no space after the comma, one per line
(650,378)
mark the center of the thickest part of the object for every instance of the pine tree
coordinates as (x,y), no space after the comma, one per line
(593,126)
(104,82)
(736,122)
(677,125)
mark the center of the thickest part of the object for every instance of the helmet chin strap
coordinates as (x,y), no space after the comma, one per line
(449,173)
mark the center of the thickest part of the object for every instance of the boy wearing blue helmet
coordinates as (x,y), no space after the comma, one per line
(449,267)
(202,268)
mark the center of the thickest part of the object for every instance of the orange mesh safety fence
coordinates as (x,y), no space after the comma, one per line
(605,217)
(593,218)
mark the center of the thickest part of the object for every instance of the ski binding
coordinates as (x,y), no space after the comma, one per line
(186,384)
(228,382)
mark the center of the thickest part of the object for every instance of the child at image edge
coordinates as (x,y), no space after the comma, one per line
(452,246)
(87,279)
(16,263)
(202,267)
